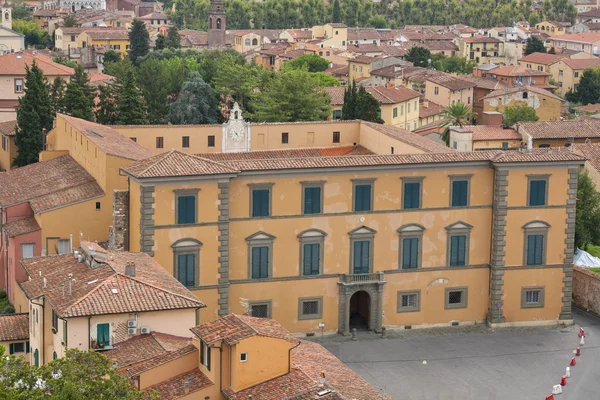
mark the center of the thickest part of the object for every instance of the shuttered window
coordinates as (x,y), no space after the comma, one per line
(260,262)
(186,269)
(186,209)
(260,202)
(410,253)
(537,192)
(103,334)
(27,250)
(412,195)
(362,197)
(535,249)
(460,190)
(312,200)
(361,257)
(458,250)
(312,253)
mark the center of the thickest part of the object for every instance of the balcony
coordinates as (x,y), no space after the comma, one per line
(358,279)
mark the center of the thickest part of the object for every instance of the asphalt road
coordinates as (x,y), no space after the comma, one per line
(477,362)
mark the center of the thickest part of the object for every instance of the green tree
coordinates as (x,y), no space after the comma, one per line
(453,64)
(534,19)
(131,107)
(457,114)
(111,56)
(360,104)
(349,108)
(160,43)
(588,91)
(196,103)
(291,96)
(310,62)
(69,21)
(79,100)
(64,61)
(552,50)
(377,21)
(33,115)
(238,14)
(534,45)
(173,40)
(587,216)
(337,12)
(138,39)
(325,80)
(419,56)
(35,36)
(236,82)
(57,92)
(20,10)
(518,113)
(106,112)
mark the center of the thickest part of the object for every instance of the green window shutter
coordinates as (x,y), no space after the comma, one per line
(362,198)
(260,262)
(186,269)
(311,259)
(458,250)
(11,348)
(460,191)
(361,257)
(410,253)
(260,203)
(535,249)
(537,193)
(36,358)
(412,194)
(27,349)
(103,335)
(186,209)
(312,200)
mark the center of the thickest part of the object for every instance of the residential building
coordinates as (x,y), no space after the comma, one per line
(115,38)
(75,5)
(14,334)
(591,152)
(359,68)
(246,40)
(405,193)
(553,28)
(481,49)
(547,106)
(588,16)
(296,35)
(540,61)
(568,72)
(94,298)
(429,112)
(483,87)
(333,34)
(586,42)
(12,79)
(560,133)
(155,20)
(515,75)
(446,89)
(8,151)
(65,38)
(399,105)
(484,137)
(585,5)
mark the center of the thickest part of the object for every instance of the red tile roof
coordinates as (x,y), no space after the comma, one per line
(21,226)
(7,128)
(141,348)
(542,58)
(48,185)
(174,388)
(516,70)
(585,37)
(292,153)
(105,289)
(591,151)
(486,83)
(416,141)
(590,108)
(363,59)
(577,128)
(14,327)
(582,63)
(234,328)
(109,34)
(491,132)
(14,64)
(430,109)
(517,89)
(481,39)
(450,82)
(383,94)
(140,368)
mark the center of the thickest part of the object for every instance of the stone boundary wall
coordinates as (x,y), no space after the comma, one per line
(586,289)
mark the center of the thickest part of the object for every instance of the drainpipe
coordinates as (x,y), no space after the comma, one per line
(221,367)
(290,355)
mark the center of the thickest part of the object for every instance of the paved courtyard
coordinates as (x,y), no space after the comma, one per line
(476,362)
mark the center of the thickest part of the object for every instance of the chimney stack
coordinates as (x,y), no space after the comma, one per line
(130,269)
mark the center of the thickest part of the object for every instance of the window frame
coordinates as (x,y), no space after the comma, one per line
(261,186)
(464,298)
(185,142)
(260,239)
(15,350)
(400,308)
(311,184)
(285,138)
(410,231)
(458,178)
(363,182)
(535,227)
(318,315)
(210,141)
(184,247)
(244,357)
(268,303)
(160,142)
(537,177)
(525,289)
(186,193)
(458,228)
(412,179)
(312,236)
(337,137)
(362,233)
(22,85)
(23,247)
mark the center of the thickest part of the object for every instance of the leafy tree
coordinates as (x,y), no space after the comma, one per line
(588,91)
(35,36)
(33,115)
(552,50)
(337,12)
(359,104)
(131,107)
(20,10)
(239,14)
(419,56)
(350,106)
(325,80)
(519,113)
(310,62)
(196,103)
(587,217)
(64,61)
(111,56)
(457,114)
(534,19)
(534,45)
(69,21)
(453,64)
(106,112)
(377,21)
(173,40)
(79,100)
(57,92)
(138,40)
(292,95)
(160,43)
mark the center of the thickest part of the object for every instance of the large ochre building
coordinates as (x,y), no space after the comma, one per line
(349,224)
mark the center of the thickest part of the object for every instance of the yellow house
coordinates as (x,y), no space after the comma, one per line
(332,35)
(540,61)
(399,105)
(155,20)
(246,40)
(445,89)
(429,112)
(8,151)
(484,137)
(547,105)
(482,49)
(567,72)
(359,68)
(553,28)
(66,37)
(14,334)
(560,134)
(368,234)
(116,39)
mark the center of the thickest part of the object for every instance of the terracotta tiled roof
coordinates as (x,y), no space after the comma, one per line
(174,388)
(337,25)
(542,58)
(591,151)
(292,153)
(481,39)
(105,289)
(337,70)
(517,70)
(582,63)
(292,54)
(578,128)
(98,79)
(394,71)
(108,140)
(430,109)
(144,347)
(7,128)
(48,185)
(234,328)
(44,13)
(14,64)
(591,13)
(539,155)
(300,34)
(363,59)
(21,226)
(517,89)
(109,34)
(591,108)
(486,83)
(14,327)
(585,37)
(491,132)
(154,15)
(162,359)
(402,135)
(363,34)
(450,82)
(382,94)
(175,163)
(435,45)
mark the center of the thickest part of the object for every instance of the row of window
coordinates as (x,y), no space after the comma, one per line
(408,104)
(185,141)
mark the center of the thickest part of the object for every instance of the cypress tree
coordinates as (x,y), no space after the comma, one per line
(57,93)
(173,39)
(368,107)
(131,108)
(160,43)
(138,41)
(337,12)
(349,107)
(33,115)
(106,113)
(78,101)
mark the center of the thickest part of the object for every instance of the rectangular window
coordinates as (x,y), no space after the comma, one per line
(458,250)
(211,141)
(337,114)
(576,74)
(456,298)
(361,257)
(532,297)
(103,335)
(185,142)
(535,249)
(285,137)
(3,142)
(312,200)
(336,137)
(362,197)
(117,47)
(186,209)
(409,301)
(401,109)
(18,85)
(460,193)
(311,258)
(537,192)
(260,262)
(18,347)
(54,321)
(310,308)
(410,253)
(159,142)
(186,269)
(436,90)
(395,112)
(27,250)
(408,108)
(64,246)
(412,195)
(504,145)
(205,355)
(560,72)
(260,202)
(260,309)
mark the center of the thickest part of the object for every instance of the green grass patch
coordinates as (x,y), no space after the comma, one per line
(596,270)
(593,250)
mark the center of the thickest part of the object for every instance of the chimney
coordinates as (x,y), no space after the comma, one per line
(130,269)
(491,118)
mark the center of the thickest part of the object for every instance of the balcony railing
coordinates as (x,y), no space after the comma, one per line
(361,278)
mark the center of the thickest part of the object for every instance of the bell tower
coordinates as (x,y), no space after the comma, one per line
(6,16)
(216,24)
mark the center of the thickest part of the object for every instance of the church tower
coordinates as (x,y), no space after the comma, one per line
(6,15)
(216,24)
